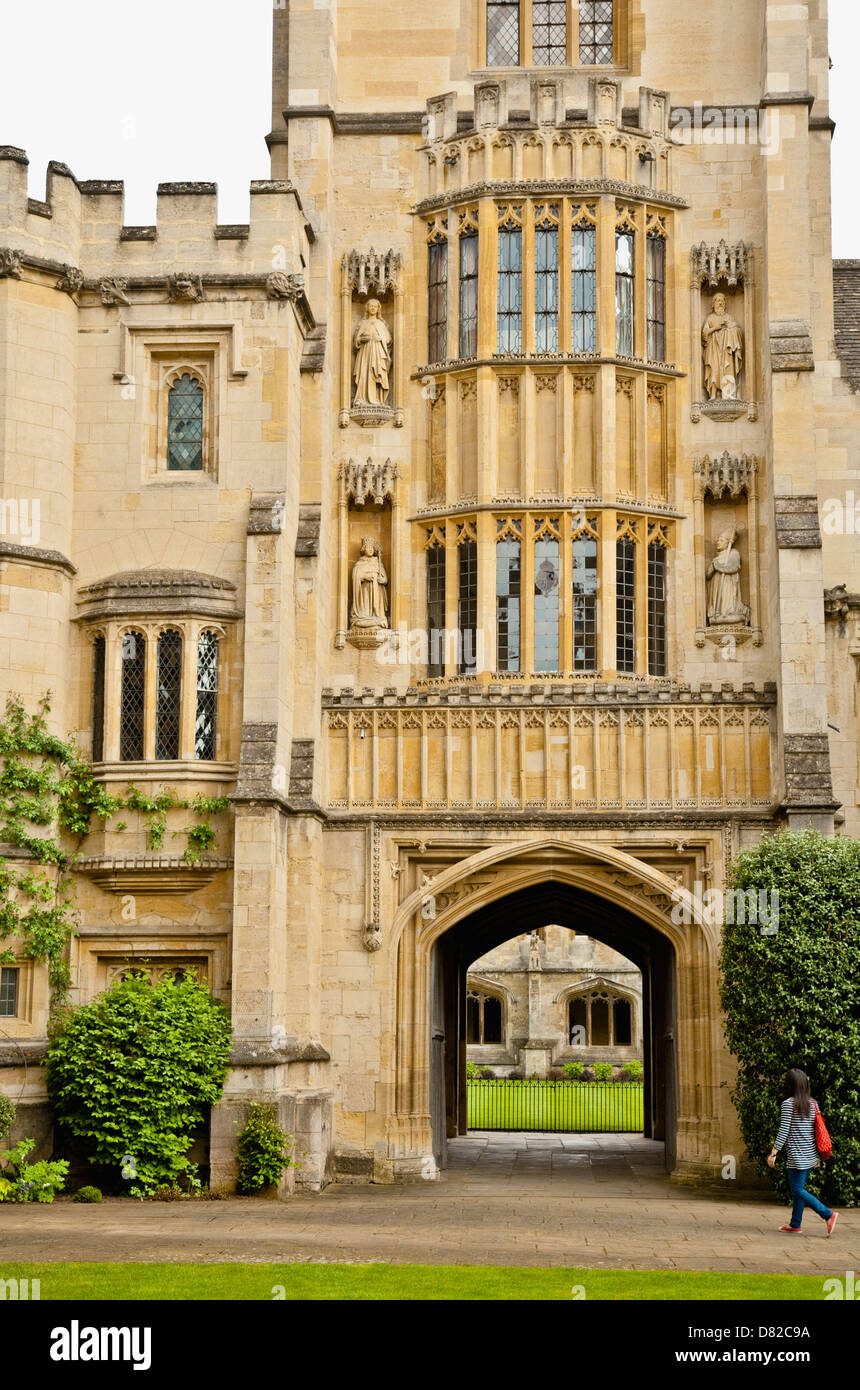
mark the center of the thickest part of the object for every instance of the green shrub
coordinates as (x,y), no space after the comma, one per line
(792,999)
(634,1070)
(263,1150)
(473,1071)
(573,1070)
(7,1115)
(133,1074)
(602,1071)
(31,1182)
(88,1194)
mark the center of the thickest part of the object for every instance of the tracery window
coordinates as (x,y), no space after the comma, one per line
(546,597)
(132,706)
(438,300)
(584,288)
(624,293)
(585,599)
(596,32)
(508,603)
(560,30)
(206,721)
(656,297)
(185,401)
(625,601)
(98,698)
(435,606)
(469,293)
(657,608)
(467,603)
(546,280)
(484,1018)
(510,291)
(168,695)
(600,1018)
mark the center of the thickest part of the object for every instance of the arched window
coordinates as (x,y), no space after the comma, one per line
(131,719)
(600,1018)
(185,424)
(168,695)
(484,1018)
(205,726)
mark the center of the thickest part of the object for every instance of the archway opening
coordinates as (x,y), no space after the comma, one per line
(615,1001)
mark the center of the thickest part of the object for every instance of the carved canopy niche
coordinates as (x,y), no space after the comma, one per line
(368,509)
(725,500)
(723,314)
(372,317)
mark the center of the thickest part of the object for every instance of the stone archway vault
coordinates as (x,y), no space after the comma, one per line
(613,881)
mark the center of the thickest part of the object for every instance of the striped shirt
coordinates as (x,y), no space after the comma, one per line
(800,1134)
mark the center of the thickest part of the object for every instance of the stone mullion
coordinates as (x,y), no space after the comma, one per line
(571,758)
(424,751)
(640,289)
(488,269)
(452,579)
(697,755)
(622,758)
(747,756)
(525,33)
(568,436)
(521,750)
(528,409)
(350,760)
(724,779)
(608,590)
(399,758)
(646,764)
(150,712)
(641,597)
(673,755)
(449,755)
(595,748)
(188,691)
(473,759)
(374,759)
(497,769)
(113,693)
(547,753)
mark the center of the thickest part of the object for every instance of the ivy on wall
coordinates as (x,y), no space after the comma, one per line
(48,797)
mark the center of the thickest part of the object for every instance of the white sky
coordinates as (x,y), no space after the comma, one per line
(179,89)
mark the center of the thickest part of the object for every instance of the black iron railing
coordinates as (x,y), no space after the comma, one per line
(571,1107)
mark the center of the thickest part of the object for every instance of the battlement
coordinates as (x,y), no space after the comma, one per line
(79,227)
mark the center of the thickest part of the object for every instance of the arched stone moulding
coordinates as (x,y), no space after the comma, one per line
(610,874)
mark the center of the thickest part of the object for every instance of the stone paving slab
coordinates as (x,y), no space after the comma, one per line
(614,1208)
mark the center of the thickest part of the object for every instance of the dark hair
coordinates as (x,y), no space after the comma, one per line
(797,1089)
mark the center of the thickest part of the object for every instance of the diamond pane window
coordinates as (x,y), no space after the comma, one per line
(549,33)
(133,659)
(656,609)
(624,294)
(585,604)
(508,605)
(436,610)
(510,296)
(98,699)
(546,289)
(205,725)
(168,693)
(467,606)
(656,296)
(503,33)
(625,607)
(546,605)
(9,991)
(185,424)
(596,46)
(469,294)
(584,288)
(438,301)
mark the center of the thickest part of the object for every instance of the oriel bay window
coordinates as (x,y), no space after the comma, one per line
(163,683)
(560,33)
(552,615)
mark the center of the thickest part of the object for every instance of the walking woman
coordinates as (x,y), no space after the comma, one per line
(798,1128)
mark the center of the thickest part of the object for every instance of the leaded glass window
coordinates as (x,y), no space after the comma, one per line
(510,294)
(625,606)
(436,610)
(469,294)
(585,604)
(503,33)
(656,298)
(584,288)
(546,604)
(9,991)
(168,695)
(206,722)
(508,605)
(546,287)
(467,606)
(132,697)
(549,33)
(185,424)
(98,699)
(596,45)
(438,301)
(624,294)
(656,609)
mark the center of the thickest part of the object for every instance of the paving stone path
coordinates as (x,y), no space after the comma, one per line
(597,1201)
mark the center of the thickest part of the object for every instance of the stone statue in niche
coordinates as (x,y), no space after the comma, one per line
(725,604)
(724,356)
(372,344)
(369,588)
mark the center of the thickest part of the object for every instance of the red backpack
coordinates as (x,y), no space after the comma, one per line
(823,1142)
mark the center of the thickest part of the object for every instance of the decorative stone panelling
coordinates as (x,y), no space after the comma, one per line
(797,523)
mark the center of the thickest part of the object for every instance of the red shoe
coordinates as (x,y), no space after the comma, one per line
(795,1230)
(831,1223)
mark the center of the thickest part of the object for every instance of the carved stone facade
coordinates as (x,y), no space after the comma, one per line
(411,518)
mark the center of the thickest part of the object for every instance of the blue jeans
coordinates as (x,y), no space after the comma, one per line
(797,1179)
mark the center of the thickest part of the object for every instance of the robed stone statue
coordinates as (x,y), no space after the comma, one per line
(369,587)
(725,604)
(723,348)
(372,343)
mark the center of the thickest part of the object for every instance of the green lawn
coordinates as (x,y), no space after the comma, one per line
(581,1107)
(380,1282)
